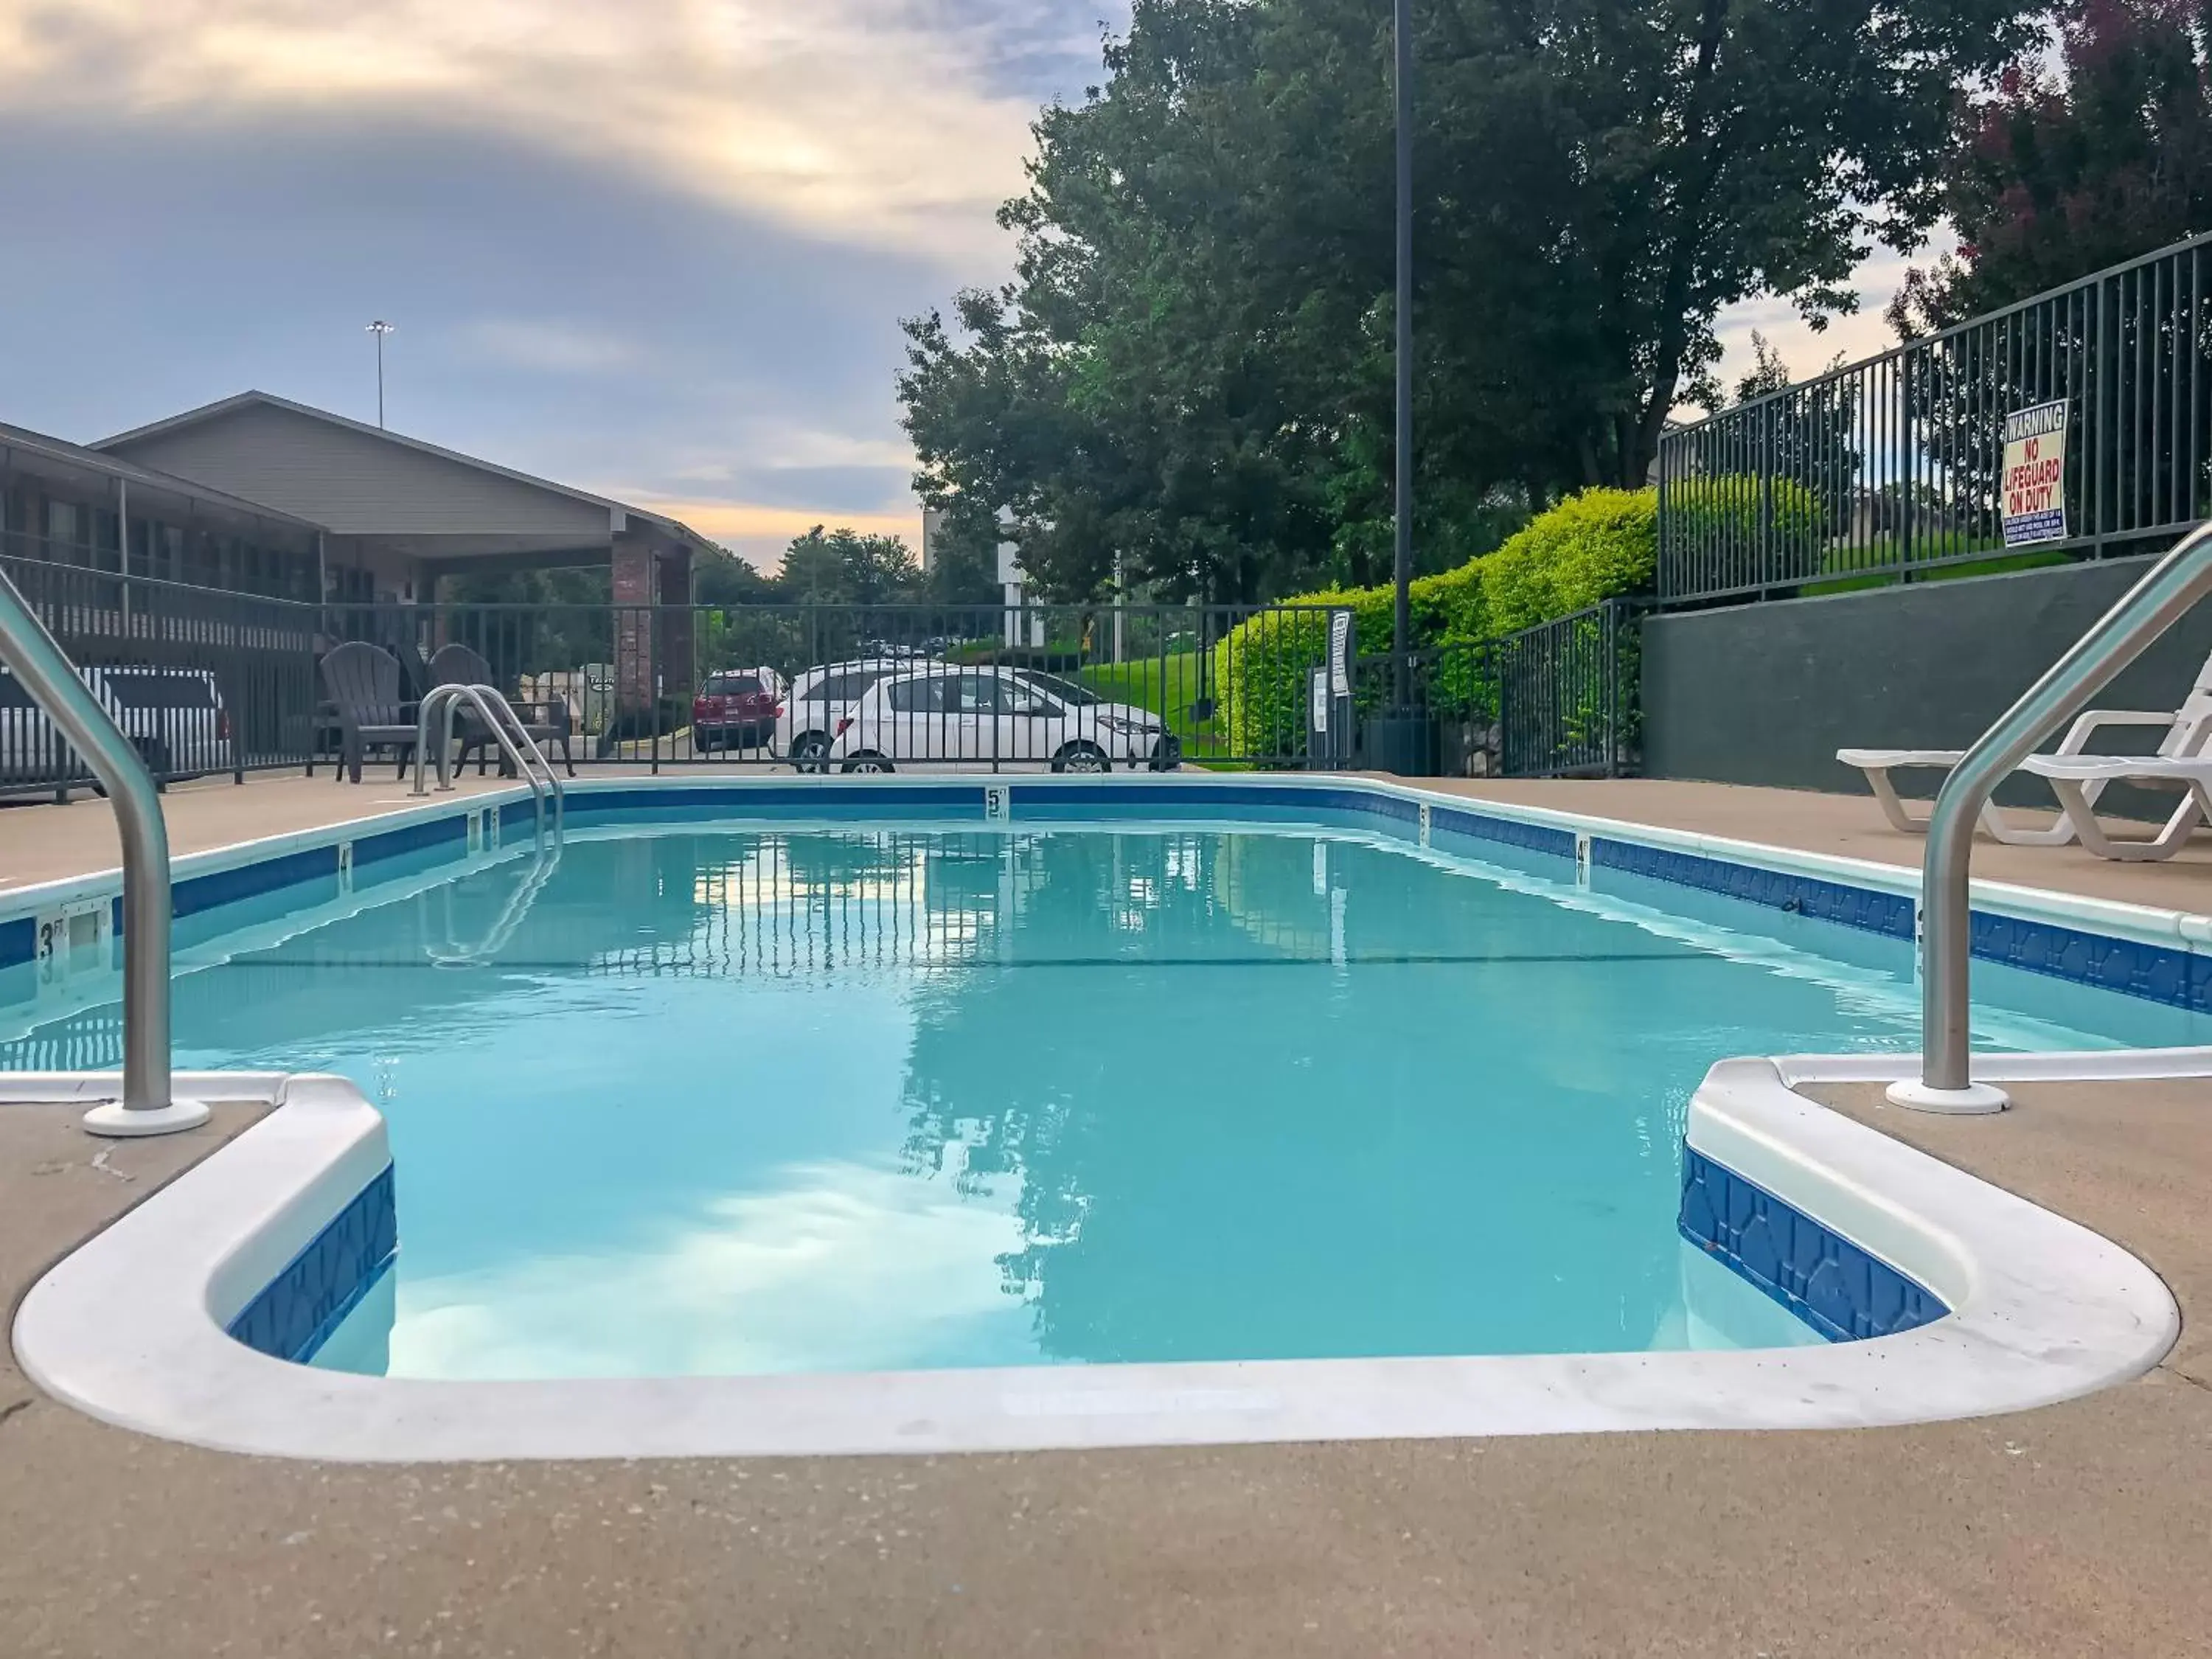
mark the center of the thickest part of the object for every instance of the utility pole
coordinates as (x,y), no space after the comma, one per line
(380,328)
(1401,615)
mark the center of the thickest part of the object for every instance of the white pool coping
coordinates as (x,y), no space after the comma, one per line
(129,1328)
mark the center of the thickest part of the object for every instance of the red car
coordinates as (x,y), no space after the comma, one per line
(736,708)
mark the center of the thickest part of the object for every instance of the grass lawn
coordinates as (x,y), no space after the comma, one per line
(1998,562)
(1168,686)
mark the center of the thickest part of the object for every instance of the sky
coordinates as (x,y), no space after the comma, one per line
(658,249)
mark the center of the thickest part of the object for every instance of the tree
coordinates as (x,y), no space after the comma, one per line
(723,578)
(842,566)
(2068,168)
(1191,364)
(528,622)
(1807,433)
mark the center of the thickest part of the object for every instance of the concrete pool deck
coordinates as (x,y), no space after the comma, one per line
(2074,1529)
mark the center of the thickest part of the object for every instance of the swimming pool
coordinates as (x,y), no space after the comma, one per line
(1091,1085)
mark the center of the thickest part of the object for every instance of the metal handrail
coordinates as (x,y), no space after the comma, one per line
(2163,597)
(149,1106)
(517,746)
(514,740)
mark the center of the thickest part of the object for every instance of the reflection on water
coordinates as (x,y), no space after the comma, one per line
(729,1102)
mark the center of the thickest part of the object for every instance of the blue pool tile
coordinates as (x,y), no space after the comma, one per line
(2136,968)
(1507,832)
(1827,1281)
(19,941)
(1867,908)
(409,838)
(196,893)
(304,1304)
(960,800)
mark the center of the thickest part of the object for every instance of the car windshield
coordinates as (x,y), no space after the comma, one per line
(732,686)
(1074,696)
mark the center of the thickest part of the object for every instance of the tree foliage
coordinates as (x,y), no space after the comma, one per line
(2071,166)
(843,566)
(1191,365)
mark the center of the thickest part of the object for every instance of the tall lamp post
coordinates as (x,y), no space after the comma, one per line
(380,328)
(1401,613)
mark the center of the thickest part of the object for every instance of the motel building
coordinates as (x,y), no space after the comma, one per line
(257,495)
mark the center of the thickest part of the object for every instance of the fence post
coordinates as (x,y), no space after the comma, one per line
(1767,498)
(1908,506)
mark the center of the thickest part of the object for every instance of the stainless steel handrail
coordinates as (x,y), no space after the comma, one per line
(2166,594)
(514,741)
(522,744)
(147,1106)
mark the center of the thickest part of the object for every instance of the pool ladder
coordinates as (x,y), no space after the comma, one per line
(505,725)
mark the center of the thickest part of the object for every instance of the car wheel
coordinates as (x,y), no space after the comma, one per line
(1081,757)
(810,753)
(868,760)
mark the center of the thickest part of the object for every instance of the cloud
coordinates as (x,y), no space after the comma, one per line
(551,348)
(888,123)
(751,523)
(1809,351)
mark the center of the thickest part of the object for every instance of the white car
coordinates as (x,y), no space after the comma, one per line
(944,711)
(174,717)
(806,719)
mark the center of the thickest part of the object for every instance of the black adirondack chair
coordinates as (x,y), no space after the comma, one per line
(361,681)
(547,723)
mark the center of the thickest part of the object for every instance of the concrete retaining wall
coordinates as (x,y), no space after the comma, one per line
(1765,694)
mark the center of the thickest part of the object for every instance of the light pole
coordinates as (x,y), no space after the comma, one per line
(380,328)
(1402,614)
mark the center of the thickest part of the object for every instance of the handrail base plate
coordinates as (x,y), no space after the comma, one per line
(1975,1100)
(120,1122)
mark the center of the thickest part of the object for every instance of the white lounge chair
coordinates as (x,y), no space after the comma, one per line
(2077,780)
(2187,730)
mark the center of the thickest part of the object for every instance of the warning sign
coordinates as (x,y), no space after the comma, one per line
(2034,483)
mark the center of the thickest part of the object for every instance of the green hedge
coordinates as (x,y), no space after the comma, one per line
(1599,544)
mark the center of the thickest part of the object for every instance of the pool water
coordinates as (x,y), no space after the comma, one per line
(730,1100)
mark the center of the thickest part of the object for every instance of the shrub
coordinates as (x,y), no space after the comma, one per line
(1595,546)
(1723,513)
(1601,545)
(1588,547)
(1261,665)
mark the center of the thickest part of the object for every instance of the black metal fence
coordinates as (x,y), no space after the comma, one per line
(1894,468)
(201,680)
(216,682)
(683,685)
(1558,700)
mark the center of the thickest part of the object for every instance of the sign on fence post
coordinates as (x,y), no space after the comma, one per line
(1329,717)
(1339,653)
(2034,481)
